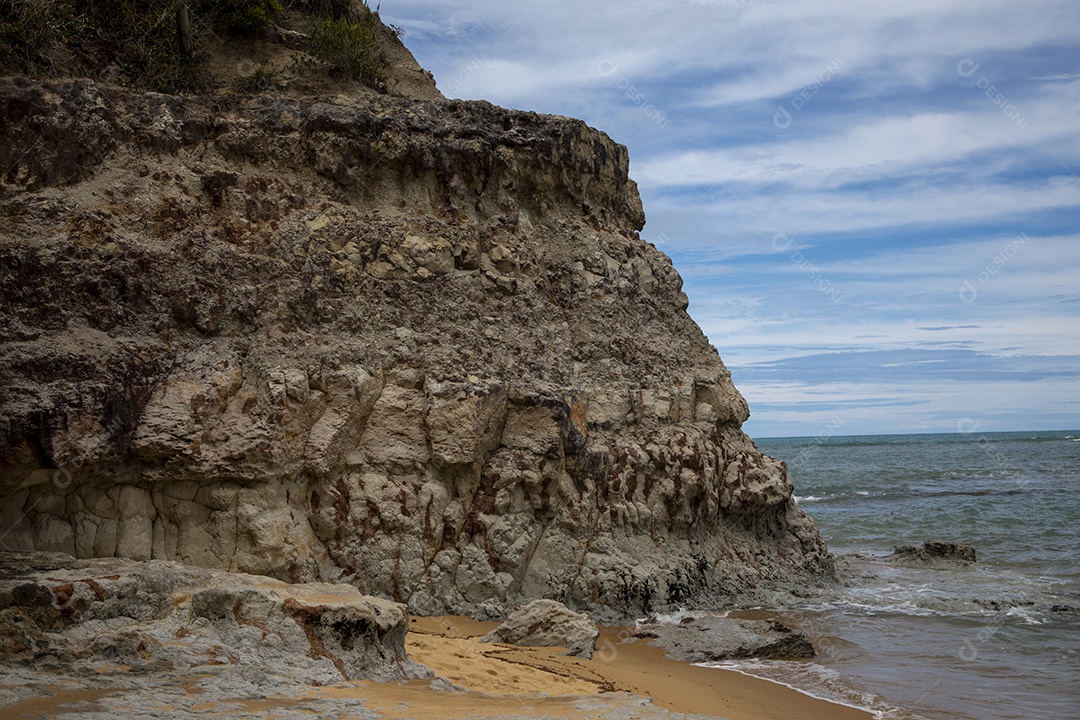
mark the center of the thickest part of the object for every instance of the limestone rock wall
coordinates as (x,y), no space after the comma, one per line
(414,346)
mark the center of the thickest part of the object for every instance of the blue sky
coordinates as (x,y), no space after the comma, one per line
(875,205)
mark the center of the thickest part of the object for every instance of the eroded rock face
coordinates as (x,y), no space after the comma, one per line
(92,615)
(414,346)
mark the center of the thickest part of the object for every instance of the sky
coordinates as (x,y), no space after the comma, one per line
(874,204)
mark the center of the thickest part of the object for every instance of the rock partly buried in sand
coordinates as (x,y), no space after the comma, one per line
(96,615)
(711,639)
(933,553)
(546,623)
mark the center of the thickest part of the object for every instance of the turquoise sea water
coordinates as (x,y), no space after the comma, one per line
(993,641)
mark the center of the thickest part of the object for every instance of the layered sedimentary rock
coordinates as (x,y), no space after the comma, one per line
(413,345)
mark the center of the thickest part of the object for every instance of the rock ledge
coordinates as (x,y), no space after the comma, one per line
(93,615)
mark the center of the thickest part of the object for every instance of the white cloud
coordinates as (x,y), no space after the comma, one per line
(759,215)
(859,149)
(902,138)
(796,410)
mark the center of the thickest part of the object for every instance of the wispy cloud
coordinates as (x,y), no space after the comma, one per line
(875,206)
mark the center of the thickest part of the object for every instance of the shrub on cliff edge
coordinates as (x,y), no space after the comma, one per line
(346,47)
(243,17)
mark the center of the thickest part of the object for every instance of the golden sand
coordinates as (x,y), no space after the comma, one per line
(501,680)
(516,678)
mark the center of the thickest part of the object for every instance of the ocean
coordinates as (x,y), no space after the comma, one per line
(996,640)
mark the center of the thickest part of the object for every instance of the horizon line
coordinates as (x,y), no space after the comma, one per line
(899,434)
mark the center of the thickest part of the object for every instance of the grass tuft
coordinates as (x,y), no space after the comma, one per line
(345,47)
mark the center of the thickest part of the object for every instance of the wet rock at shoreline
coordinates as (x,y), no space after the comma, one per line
(934,553)
(712,639)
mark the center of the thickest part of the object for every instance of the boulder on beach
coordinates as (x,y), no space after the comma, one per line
(546,623)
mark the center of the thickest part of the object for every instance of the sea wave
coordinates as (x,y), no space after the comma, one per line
(903,607)
(818,682)
(904,630)
(802,499)
(1027,615)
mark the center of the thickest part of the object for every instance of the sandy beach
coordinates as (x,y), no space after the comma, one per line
(624,679)
(505,680)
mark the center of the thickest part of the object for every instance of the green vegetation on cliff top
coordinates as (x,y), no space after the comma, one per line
(161,44)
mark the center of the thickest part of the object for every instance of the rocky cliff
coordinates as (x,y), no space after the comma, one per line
(415,345)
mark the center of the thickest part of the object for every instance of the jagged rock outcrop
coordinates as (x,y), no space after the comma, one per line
(416,346)
(89,616)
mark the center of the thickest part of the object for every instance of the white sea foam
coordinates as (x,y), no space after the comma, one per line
(807,498)
(672,618)
(818,682)
(1028,615)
